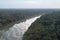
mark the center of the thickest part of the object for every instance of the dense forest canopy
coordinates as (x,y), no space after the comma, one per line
(8,17)
(45,28)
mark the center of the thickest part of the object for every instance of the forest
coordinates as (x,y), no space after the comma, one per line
(45,28)
(8,17)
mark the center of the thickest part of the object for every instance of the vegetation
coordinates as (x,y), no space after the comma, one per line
(8,17)
(45,28)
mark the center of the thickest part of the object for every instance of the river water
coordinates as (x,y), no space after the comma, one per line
(16,31)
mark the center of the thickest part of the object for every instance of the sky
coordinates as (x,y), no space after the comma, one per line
(29,4)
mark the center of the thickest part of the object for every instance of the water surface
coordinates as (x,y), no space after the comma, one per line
(16,31)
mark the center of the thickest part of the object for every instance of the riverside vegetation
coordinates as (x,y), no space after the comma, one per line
(47,27)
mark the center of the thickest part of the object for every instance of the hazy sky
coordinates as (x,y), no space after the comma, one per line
(29,3)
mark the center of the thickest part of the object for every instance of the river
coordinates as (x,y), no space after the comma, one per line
(16,31)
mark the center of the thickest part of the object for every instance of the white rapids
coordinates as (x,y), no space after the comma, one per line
(16,32)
